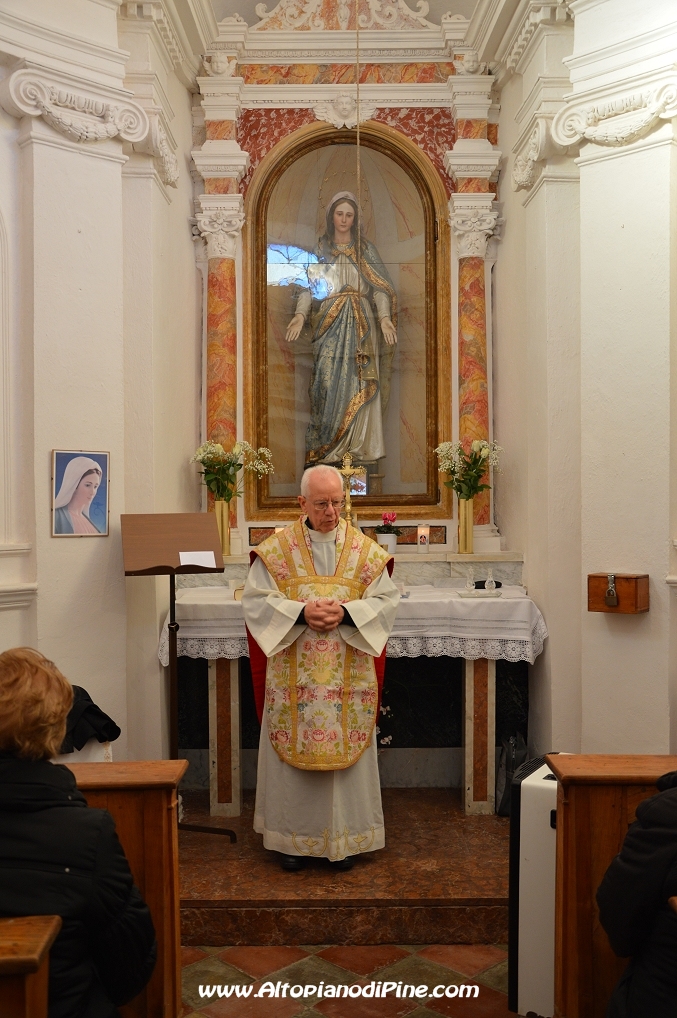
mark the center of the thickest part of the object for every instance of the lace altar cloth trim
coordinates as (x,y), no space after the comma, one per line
(397,646)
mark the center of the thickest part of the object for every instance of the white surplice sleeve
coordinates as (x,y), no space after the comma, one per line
(373,615)
(270,616)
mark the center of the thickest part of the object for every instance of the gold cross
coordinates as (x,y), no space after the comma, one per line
(349,471)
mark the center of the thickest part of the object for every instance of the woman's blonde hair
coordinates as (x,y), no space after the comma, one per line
(34,701)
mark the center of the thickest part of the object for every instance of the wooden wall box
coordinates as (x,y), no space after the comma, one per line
(632,590)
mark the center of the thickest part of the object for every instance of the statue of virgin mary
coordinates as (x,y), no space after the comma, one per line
(353,316)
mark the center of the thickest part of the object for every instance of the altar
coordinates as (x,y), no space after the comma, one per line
(432,621)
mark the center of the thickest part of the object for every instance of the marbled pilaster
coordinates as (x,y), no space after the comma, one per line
(221,163)
(472,164)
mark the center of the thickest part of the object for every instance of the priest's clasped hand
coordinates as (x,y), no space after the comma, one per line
(323,615)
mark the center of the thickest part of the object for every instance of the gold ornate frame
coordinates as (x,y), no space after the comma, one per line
(437,502)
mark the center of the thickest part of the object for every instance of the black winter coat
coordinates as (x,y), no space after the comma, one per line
(634,910)
(58,857)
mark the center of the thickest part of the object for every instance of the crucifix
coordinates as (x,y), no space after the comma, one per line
(349,471)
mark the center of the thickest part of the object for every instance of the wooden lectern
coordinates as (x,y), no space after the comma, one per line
(150,547)
(597,796)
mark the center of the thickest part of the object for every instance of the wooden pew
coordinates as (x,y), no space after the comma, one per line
(597,796)
(24,964)
(142,798)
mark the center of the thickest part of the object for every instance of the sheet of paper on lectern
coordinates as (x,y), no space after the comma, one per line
(198,558)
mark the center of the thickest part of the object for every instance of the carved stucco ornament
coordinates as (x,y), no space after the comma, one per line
(615,121)
(473,228)
(538,147)
(320,16)
(342,111)
(157,145)
(470,64)
(220,229)
(218,65)
(79,117)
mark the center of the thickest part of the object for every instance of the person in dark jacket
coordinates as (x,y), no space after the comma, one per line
(59,857)
(638,909)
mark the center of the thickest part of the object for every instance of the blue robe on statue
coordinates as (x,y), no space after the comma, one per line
(347,391)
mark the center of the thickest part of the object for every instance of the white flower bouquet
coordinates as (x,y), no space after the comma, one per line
(465,470)
(220,473)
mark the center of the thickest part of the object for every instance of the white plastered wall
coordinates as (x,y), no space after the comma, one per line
(537,392)
(101,310)
(163,294)
(628,202)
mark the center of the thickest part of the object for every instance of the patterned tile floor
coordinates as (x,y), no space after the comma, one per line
(433,965)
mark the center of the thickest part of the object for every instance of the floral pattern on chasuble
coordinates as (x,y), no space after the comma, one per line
(321,693)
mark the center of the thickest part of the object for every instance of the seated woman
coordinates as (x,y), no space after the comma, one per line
(58,857)
(638,909)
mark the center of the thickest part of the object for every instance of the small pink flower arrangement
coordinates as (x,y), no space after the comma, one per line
(388,524)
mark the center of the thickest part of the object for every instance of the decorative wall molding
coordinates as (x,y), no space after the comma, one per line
(342,111)
(419,41)
(615,120)
(300,15)
(474,218)
(219,222)
(534,15)
(155,12)
(76,110)
(221,159)
(221,96)
(414,96)
(472,158)
(471,96)
(20,595)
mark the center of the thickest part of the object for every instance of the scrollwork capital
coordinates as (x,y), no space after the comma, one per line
(220,228)
(618,119)
(536,147)
(75,111)
(473,226)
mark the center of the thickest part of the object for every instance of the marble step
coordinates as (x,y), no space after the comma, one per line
(442,878)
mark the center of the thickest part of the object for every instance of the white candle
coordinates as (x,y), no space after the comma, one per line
(423,539)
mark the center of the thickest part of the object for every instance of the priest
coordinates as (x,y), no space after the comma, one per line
(319,605)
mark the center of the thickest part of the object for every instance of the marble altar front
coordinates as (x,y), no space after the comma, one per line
(432,621)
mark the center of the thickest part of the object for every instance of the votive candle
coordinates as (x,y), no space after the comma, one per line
(423,539)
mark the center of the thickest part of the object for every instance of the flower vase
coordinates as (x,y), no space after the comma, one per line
(222,511)
(387,541)
(465,526)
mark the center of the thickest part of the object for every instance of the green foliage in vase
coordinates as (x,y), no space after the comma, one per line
(220,473)
(466,470)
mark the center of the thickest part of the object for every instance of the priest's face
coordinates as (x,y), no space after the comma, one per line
(323,502)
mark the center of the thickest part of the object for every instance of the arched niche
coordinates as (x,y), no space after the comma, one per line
(404,217)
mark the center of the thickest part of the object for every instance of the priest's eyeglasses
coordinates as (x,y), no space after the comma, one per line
(335,504)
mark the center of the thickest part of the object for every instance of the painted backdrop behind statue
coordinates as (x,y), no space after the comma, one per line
(393,223)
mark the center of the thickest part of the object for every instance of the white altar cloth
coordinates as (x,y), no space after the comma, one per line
(431,622)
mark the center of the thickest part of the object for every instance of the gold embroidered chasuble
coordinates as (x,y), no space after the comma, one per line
(321,694)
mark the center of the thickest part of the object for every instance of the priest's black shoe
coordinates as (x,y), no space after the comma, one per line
(343,864)
(292,863)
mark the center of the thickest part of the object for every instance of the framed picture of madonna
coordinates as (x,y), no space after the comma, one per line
(349,321)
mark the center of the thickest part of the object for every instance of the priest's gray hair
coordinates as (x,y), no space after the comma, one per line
(314,472)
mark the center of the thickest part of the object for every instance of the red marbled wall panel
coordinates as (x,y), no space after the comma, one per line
(259,130)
